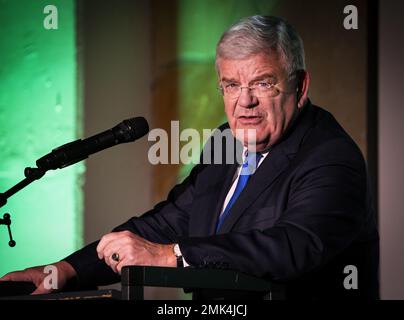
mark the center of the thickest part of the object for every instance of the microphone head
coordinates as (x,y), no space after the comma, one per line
(133,129)
(127,131)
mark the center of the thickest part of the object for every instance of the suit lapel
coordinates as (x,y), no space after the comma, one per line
(274,164)
(225,182)
(220,180)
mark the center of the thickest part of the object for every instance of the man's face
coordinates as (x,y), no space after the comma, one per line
(268,116)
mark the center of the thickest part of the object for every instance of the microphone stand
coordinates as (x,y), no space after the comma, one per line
(31,174)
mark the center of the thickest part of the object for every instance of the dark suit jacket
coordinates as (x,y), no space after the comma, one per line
(304,215)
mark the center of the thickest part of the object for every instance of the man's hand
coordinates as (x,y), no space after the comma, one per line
(134,250)
(36,275)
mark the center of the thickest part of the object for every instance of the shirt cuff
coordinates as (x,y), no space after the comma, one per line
(178,252)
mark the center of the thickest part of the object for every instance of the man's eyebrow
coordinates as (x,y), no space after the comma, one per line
(224,79)
(265,76)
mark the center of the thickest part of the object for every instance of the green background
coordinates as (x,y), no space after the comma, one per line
(39,110)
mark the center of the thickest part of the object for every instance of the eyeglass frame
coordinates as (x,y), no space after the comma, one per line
(254,90)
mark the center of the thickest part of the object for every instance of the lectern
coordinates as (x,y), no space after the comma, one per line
(135,278)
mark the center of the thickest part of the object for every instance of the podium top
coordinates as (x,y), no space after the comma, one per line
(190,277)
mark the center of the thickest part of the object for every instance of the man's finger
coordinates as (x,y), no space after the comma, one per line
(17,276)
(117,246)
(113,264)
(6,277)
(122,263)
(119,267)
(41,290)
(105,240)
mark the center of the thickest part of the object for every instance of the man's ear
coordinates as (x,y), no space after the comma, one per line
(303,88)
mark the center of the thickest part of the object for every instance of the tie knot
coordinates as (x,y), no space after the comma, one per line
(250,163)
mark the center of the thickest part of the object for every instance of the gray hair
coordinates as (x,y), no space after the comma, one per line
(256,34)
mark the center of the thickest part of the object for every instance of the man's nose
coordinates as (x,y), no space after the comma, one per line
(247,99)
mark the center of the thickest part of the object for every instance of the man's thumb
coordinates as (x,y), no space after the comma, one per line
(41,289)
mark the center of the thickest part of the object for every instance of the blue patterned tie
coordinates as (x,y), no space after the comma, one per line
(249,166)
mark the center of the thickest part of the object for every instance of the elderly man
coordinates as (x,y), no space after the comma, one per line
(302,217)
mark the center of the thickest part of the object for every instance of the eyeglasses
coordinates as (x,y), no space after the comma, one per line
(260,89)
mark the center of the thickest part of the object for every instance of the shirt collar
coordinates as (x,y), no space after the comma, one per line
(245,150)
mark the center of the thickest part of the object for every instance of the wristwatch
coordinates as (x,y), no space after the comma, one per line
(178,254)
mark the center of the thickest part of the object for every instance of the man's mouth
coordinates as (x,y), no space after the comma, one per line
(249,120)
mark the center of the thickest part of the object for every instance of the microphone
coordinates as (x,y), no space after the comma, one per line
(127,131)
